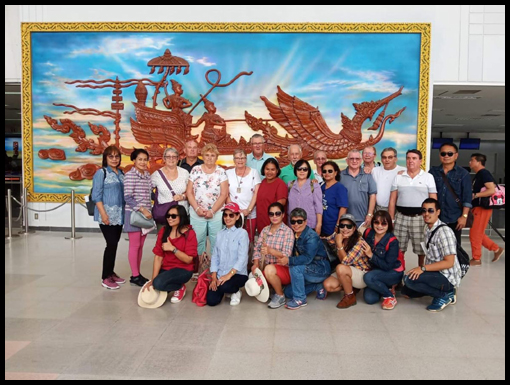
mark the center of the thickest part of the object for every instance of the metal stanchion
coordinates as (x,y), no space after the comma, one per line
(9,235)
(73,218)
(24,207)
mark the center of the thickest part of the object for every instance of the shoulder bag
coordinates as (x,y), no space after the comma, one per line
(159,210)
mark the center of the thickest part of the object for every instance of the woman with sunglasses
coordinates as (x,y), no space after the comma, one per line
(306,194)
(229,259)
(244,185)
(335,201)
(354,263)
(108,193)
(382,248)
(173,176)
(174,253)
(272,189)
(274,242)
(137,193)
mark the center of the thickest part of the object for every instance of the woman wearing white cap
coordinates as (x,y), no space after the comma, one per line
(229,258)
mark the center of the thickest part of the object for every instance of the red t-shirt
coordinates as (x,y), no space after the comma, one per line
(268,194)
(186,243)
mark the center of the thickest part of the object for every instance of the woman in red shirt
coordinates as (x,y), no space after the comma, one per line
(174,252)
(271,190)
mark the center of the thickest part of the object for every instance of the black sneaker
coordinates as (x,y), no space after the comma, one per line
(139,280)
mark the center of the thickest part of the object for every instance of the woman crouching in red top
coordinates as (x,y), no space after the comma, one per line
(174,252)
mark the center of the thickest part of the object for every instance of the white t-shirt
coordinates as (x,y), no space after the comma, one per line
(412,192)
(384,179)
(179,186)
(246,186)
(207,187)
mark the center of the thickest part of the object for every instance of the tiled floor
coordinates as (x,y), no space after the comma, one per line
(60,323)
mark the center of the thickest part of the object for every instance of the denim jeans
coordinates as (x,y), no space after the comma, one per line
(430,283)
(233,285)
(379,283)
(206,227)
(171,280)
(305,279)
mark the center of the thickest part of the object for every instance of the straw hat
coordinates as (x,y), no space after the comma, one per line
(151,298)
(257,286)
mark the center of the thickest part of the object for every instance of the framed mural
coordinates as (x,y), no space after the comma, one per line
(333,87)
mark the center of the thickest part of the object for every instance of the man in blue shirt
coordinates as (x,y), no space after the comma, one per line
(257,158)
(455,209)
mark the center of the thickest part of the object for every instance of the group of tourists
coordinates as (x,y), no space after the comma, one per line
(292,231)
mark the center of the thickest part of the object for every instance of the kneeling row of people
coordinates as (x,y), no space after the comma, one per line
(295,262)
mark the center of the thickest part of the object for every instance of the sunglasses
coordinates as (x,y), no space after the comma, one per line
(328,171)
(345,225)
(298,221)
(449,153)
(303,169)
(430,211)
(173,216)
(387,157)
(227,215)
(113,156)
(275,214)
(380,223)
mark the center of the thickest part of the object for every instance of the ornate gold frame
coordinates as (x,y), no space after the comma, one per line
(28,28)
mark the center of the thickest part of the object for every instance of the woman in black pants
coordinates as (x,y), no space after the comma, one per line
(174,254)
(108,193)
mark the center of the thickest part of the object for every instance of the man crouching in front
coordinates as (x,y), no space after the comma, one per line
(309,266)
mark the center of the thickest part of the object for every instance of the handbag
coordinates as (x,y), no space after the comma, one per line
(137,219)
(470,218)
(496,200)
(331,250)
(199,296)
(159,210)
(204,263)
(91,205)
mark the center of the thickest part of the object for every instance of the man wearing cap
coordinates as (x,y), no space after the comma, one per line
(408,192)
(309,266)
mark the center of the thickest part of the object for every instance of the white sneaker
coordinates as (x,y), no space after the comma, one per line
(236,298)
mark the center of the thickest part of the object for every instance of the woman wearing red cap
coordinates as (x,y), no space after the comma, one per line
(229,258)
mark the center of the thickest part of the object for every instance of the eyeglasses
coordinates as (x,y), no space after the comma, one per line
(319,159)
(449,153)
(354,159)
(380,223)
(227,215)
(430,211)
(173,216)
(243,158)
(275,214)
(171,157)
(345,225)
(387,157)
(328,171)
(305,169)
(113,156)
(258,144)
(298,221)
(368,153)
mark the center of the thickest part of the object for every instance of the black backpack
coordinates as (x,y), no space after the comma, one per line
(462,256)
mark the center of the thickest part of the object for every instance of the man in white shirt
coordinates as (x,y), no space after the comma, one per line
(319,158)
(408,192)
(384,177)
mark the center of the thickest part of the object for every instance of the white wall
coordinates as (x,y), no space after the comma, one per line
(467,40)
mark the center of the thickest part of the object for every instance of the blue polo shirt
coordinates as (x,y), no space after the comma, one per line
(257,164)
(359,189)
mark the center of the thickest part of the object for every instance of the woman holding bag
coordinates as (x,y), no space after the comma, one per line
(170,182)
(137,194)
(108,193)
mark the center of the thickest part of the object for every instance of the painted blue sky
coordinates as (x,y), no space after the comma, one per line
(329,71)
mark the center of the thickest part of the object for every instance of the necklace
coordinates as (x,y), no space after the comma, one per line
(239,181)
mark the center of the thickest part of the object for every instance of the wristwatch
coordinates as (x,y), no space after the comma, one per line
(175,250)
(232,272)
(370,215)
(465,215)
(423,268)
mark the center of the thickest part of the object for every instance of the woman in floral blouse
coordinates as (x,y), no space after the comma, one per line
(207,192)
